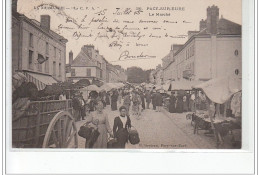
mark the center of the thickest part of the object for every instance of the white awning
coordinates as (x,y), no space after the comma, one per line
(40,80)
(219,90)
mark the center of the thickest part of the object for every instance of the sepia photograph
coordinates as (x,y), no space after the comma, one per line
(114,75)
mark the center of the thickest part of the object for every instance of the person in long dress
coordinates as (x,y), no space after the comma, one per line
(159,100)
(185,103)
(114,99)
(142,100)
(192,102)
(154,100)
(119,96)
(107,98)
(148,99)
(121,126)
(99,119)
(136,104)
(127,102)
(172,104)
(179,104)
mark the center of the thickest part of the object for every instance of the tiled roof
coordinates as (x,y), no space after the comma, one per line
(37,24)
(227,27)
(83,59)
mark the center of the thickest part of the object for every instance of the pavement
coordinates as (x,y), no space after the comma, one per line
(161,130)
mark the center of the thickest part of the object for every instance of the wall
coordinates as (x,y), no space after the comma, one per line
(227,61)
(15,44)
(82,71)
(202,59)
(39,47)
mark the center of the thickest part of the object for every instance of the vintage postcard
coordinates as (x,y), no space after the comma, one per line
(126,74)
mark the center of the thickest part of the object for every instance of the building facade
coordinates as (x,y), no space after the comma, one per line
(157,75)
(116,74)
(214,51)
(88,64)
(37,51)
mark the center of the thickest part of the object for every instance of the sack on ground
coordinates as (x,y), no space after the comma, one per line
(134,136)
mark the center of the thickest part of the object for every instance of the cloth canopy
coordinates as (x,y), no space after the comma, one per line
(119,85)
(106,87)
(183,85)
(158,87)
(91,88)
(219,90)
(166,85)
(40,80)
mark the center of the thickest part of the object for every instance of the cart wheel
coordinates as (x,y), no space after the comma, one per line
(61,131)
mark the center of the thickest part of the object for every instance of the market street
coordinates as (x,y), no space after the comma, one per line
(161,130)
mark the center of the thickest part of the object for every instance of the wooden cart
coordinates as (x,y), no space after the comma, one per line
(45,124)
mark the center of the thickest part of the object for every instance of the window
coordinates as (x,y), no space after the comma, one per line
(39,66)
(47,48)
(236,52)
(31,40)
(30,65)
(73,73)
(88,72)
(59,69)
(101,75)
(99,64)
(54,69)
(54,52)
(59,54)
(47,65)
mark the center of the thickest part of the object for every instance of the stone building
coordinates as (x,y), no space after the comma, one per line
(116,74)
(88,64)
(37,51)
(214,51)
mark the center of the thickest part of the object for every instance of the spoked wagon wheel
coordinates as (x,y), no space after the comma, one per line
(61,132)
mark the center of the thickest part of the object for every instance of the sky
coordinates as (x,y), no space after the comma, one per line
(119,42)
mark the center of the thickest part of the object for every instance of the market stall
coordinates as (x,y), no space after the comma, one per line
(222,116)
(182,90)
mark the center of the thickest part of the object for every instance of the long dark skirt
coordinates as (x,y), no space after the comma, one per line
(113,105)
(143,104)
(179,107)
(122,138)
(107,101)
(185,106)
(172,108)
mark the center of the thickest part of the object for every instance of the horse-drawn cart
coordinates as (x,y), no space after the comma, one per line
(45,124)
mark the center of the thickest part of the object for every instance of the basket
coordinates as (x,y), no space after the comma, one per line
(133,136)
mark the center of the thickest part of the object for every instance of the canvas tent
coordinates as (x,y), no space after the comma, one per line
(106,87)
(183,85)
(166,85)
(91,88)
(219,90)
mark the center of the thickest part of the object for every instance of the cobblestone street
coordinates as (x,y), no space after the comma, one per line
(161,130)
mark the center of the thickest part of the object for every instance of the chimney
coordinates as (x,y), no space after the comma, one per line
(14,5)
(212,19)
(203,24)
(70,57)
(45,22)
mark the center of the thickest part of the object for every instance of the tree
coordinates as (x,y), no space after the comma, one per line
(137,75)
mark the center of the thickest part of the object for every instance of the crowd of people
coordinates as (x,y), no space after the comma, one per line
(132,101)
(185,102)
